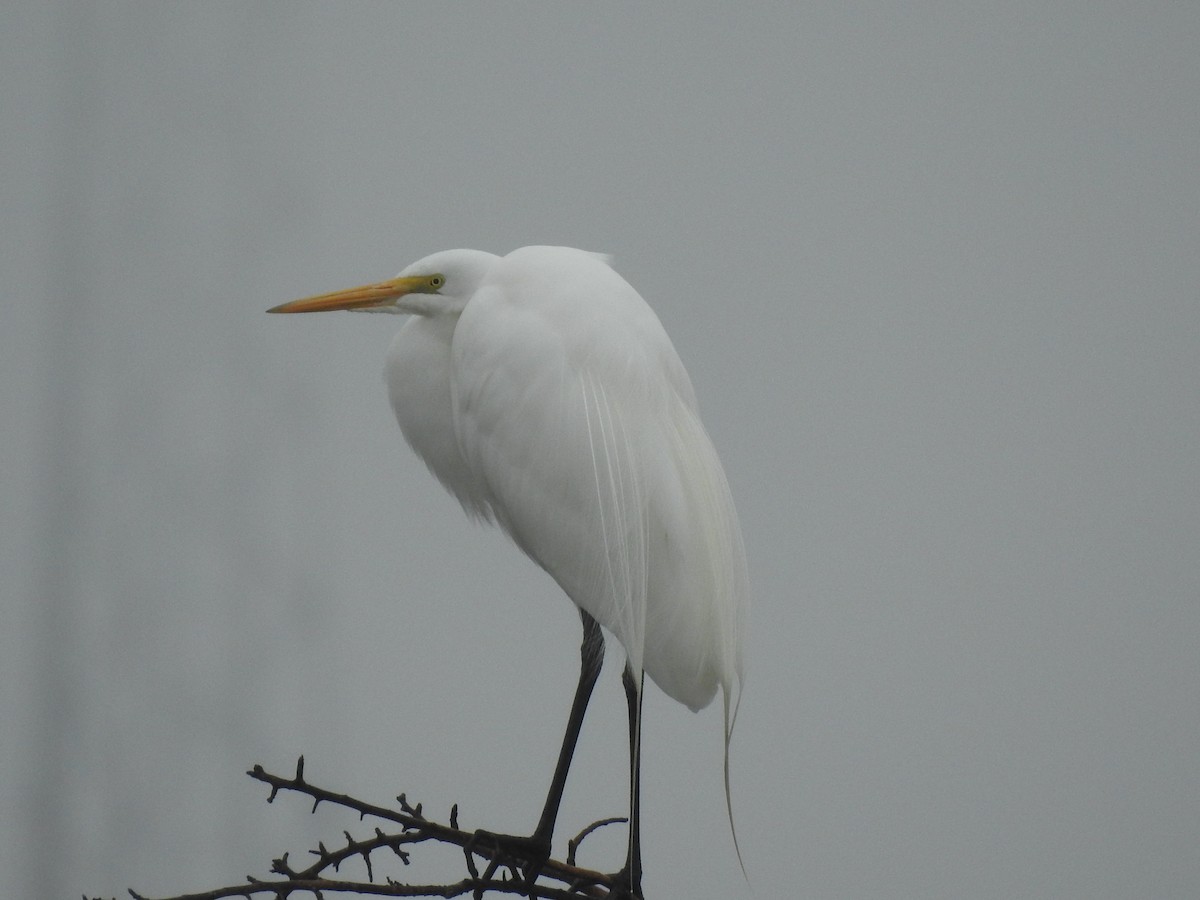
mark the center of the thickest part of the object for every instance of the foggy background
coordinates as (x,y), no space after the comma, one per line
(934,271)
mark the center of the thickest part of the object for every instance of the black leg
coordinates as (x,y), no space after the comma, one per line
(629,879)
(536,847)
(591,659)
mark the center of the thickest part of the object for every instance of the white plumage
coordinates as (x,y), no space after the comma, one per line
(543,392)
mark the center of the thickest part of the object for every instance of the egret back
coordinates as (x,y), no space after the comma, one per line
(578,421)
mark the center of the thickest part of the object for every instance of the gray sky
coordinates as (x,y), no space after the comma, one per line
(933,270)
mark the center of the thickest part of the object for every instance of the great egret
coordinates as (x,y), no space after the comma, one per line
(543,392)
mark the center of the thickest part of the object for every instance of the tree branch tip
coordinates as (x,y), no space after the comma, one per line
(573,843)
(403,829)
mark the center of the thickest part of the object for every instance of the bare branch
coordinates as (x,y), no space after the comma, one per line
(573,843)
(404,828)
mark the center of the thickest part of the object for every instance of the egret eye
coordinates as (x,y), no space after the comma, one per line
(436,281)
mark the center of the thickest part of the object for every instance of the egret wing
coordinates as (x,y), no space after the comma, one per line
(572,407)
(559,457)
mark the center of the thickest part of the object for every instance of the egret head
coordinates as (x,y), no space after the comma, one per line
(440,284)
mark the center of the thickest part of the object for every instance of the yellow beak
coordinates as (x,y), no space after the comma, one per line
(369,296)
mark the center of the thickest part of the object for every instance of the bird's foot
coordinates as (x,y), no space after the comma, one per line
(518,847)
(626,886)
(528,854)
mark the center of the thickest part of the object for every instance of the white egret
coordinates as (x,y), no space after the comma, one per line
(543,392)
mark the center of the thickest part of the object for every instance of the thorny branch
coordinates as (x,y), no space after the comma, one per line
(506,871)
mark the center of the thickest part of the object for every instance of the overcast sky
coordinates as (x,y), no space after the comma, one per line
(933,268)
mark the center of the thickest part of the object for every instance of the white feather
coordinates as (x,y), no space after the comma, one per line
(555,404)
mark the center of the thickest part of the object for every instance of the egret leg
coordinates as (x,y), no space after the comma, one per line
(591,659)
(536,847)
(628,882)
